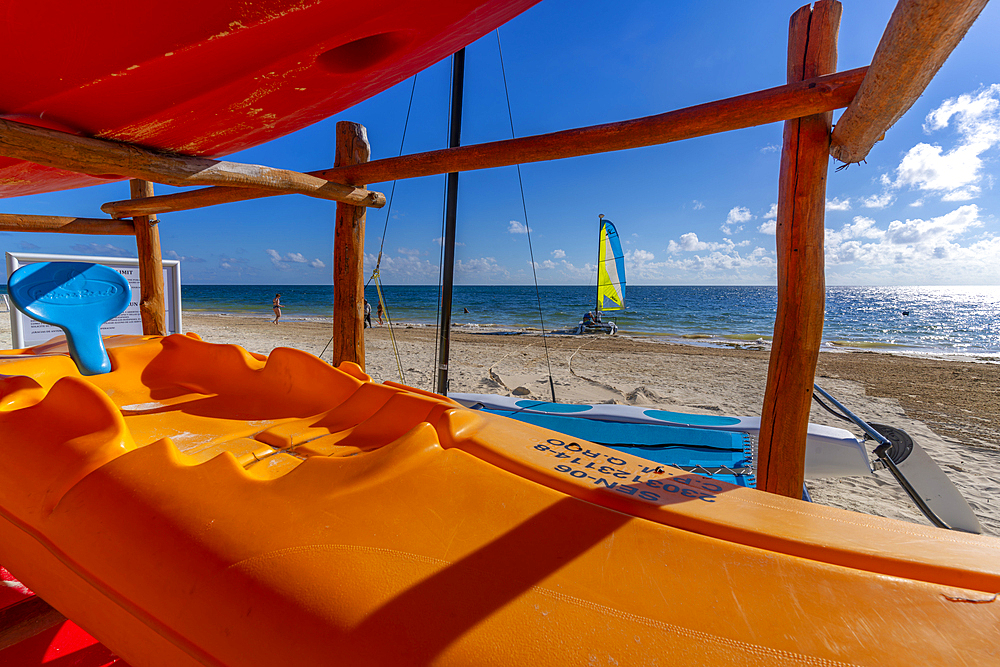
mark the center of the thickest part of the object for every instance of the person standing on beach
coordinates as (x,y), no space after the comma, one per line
(380,312)
(276,304)
(368,314)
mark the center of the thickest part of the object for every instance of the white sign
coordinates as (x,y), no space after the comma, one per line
(27,332)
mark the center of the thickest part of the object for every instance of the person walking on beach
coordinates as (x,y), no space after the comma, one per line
(379,312)
(368,314)
(276,304)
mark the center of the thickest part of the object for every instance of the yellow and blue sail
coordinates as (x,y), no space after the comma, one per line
(610,270)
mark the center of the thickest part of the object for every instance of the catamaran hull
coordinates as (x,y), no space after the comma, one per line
(203,505)
(610,328)
(830,452)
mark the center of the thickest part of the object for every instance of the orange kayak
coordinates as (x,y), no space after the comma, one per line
(202,505)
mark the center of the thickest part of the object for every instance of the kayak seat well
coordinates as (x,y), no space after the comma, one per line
(205,401)
(55,440)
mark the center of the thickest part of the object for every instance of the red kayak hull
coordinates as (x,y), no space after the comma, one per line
(212,78)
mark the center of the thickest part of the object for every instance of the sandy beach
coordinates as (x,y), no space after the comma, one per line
(949,407)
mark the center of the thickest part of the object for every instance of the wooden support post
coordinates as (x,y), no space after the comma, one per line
(920,36)
(798,328)
(349,255)
(26,619)
(793,100)
(147,240)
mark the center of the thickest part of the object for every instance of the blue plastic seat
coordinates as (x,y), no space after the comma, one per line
(77,297)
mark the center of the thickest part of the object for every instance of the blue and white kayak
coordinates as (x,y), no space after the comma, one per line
(725,447)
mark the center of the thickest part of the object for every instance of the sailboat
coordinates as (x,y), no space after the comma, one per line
(610,281)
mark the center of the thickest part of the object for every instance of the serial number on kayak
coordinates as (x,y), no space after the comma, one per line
(614,473)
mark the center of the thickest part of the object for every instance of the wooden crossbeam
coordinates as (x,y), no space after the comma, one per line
(15,222)
(99,157)
(794,100)
(919,37)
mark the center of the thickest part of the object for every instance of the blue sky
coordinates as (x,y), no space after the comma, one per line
(923,210)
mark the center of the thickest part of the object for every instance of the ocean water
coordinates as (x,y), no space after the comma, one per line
(910,320)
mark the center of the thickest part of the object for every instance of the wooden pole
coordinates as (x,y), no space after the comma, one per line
(919,37)
(798,328)
(15,222)
(25,619)
(147,240)
(348,256)
(100,157)
(768,106)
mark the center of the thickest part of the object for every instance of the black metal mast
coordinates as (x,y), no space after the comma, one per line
(451,210)
(600,245)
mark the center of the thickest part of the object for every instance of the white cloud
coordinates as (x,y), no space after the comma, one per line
(639,256)
(102,249)
(481,268)
(860,227)
(406,269)
(558,254)
(698,205)
(878,201)
(962,194)
(927,167)
(689,243)
(836,204)
(735,219)
(770,148)
(172,254)
(770,224)
(937,250)
(934,231)
(408,251)
(283,262)
(239,266)
(516,227)
(440,241)
(955,174)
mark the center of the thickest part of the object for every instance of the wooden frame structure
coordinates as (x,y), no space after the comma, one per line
(918,39)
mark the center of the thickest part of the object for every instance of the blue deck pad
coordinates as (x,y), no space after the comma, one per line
(691,419)
(658,443)
(553,407)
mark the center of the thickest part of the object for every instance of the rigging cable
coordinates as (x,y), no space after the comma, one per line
(527,227)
